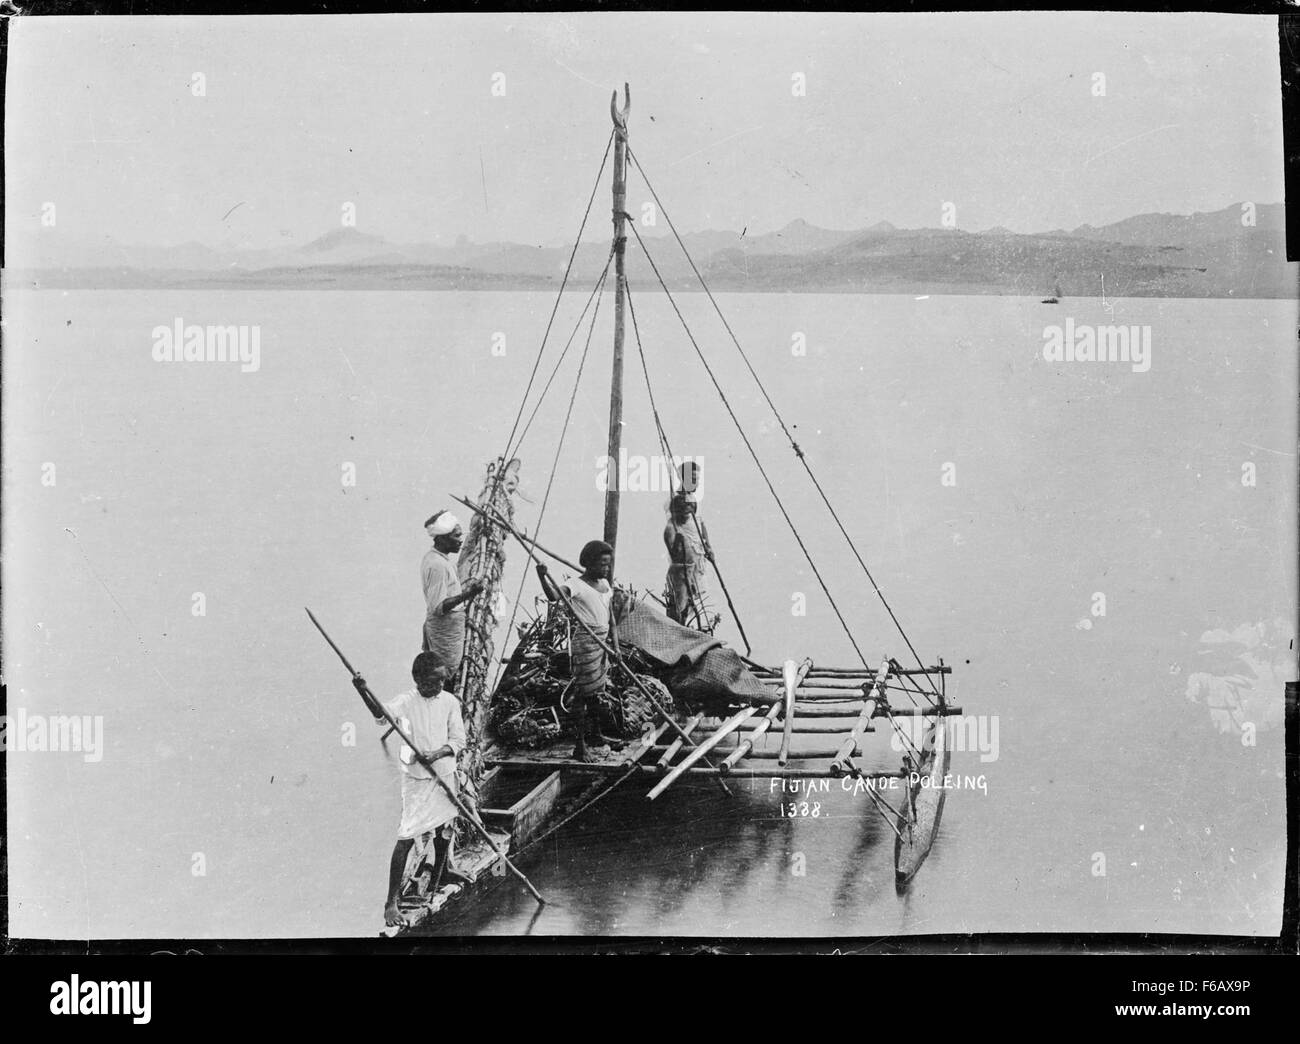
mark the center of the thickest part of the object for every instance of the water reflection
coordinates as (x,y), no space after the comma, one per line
(698,862)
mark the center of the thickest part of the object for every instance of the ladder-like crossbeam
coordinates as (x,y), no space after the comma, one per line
(850,744)
(728,727)
(647,743)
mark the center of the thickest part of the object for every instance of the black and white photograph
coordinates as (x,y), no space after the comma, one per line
(643,475)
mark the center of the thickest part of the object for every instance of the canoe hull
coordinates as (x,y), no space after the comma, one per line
(924,804)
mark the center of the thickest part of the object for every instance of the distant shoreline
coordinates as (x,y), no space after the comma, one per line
(354,281)
(1236,252)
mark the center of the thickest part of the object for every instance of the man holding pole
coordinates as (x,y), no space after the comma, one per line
(589,598)
(688,549)
(444,598)
(430,716)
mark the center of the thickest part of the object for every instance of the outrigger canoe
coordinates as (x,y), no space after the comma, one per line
(787,720)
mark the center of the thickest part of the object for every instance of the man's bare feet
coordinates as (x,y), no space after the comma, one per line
(600,740)
(393,917)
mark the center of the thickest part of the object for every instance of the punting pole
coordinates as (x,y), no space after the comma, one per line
(654,701)
(568,605)
(645,745)
(841,764)
(527,541)
(460,805)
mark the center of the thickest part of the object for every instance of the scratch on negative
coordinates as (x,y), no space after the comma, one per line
(713,145)
(52,391)
(579,75)
(1128,141)
(1266,449)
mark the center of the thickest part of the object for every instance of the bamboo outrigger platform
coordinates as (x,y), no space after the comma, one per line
(793,721)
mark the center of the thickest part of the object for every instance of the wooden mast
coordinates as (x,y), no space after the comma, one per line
(613,474)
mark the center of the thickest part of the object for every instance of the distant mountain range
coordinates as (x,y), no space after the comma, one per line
(1149,255)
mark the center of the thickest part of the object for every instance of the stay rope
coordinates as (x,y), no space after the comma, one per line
(568,268)
(701,609)
(598,294)
(749,446)
(567,344)
(798,450)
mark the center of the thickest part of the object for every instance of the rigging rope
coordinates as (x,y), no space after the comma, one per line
(559,295)
(745,438)
(645,370)
(582,362)
(537,362)
(567,345)
(776,413)
(702,610)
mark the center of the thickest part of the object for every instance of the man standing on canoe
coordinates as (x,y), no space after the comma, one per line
(688,549)
(431,717)
(590,595)
(444,598)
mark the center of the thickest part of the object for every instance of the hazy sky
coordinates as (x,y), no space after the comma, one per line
(395,113)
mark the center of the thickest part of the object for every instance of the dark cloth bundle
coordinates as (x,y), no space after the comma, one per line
(696,666)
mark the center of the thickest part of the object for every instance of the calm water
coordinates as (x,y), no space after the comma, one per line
(225,732)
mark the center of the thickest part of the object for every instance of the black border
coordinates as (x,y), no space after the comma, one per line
(1288,940)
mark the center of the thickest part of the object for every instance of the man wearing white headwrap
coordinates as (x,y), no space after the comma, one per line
(444,598)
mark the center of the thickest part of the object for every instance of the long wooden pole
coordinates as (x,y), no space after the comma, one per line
(460,805)
(492,516)
(728,727)
(613,473)
(632,761)
(708,553)
(611,653)
(671,751)
(744,749)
